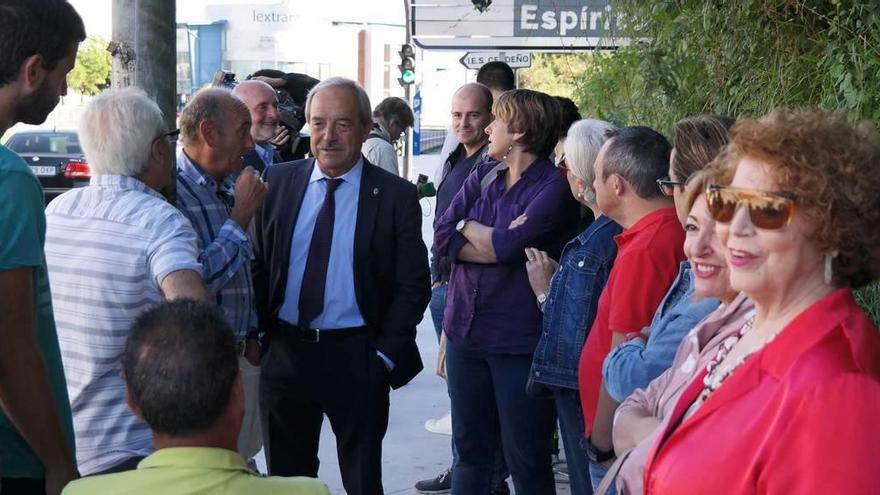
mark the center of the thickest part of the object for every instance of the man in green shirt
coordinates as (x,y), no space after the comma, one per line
(182,377)
(39,40)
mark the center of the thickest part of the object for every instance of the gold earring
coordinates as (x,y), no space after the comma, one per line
(507,153)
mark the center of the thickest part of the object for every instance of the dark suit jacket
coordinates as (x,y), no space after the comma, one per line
(391,278)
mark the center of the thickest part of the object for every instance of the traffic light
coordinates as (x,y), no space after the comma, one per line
(407,65)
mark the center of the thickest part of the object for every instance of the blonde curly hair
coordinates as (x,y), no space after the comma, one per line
(833,166)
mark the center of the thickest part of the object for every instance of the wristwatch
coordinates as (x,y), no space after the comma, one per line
(460,225)
(597,456)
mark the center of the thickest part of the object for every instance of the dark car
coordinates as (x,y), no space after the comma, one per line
(55,157)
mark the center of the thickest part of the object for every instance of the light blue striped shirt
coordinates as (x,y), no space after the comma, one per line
(340,306)
(108,247)
(225,248)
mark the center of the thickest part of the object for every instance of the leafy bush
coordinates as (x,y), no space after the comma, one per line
(737,58)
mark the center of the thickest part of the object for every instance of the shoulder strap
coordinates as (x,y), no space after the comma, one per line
(491,175)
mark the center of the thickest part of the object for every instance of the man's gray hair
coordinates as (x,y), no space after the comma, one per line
(117,130)
(208,105)
(363,100)
(585,139)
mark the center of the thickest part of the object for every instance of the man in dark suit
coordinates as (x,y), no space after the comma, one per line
(342,280)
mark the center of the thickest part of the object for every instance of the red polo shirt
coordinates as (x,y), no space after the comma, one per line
(648,257)
(799,416)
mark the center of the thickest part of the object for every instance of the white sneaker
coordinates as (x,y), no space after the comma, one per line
(441,425)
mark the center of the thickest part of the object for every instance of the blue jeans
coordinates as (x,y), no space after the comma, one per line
(597,472)
(571,426)
(437,306)
(489,403)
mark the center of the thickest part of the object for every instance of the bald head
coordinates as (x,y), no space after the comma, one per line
(471,113)
(215,127)
(262,102)
(477,91)
(210,105)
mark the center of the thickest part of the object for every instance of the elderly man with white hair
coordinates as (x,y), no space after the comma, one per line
(114,249)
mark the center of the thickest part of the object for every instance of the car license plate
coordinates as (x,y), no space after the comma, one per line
(44,171)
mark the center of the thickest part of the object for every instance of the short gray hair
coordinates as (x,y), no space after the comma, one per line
(585,139)
(117,130)
(363,100)
(208,105)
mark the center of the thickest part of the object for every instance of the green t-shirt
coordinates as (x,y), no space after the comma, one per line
(23,227)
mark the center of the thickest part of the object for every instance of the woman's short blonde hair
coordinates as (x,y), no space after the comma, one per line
(536,115)
(834,168)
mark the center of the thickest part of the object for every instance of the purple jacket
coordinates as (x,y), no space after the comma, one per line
(491,307)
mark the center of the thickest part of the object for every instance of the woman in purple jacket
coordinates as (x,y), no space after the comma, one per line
(516,200)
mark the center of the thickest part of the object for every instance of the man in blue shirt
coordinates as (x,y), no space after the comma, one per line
(342,280)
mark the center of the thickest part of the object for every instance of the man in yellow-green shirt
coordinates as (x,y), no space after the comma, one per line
(182,378)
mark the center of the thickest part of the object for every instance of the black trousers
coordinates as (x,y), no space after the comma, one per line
(300,382)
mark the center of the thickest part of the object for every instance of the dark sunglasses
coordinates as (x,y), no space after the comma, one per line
(667,186)
(767,210)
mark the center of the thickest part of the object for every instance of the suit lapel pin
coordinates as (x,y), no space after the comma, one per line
(375,191)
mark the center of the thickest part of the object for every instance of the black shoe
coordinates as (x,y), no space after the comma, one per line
(441,484)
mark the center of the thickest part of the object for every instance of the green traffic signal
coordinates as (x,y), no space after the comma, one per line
(407,77)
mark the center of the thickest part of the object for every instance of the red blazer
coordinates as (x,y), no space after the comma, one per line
(800,416)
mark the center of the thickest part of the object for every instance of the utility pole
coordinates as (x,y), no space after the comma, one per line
(407,153)
(144,51)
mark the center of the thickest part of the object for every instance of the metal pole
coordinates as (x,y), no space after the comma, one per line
(144,50)
(407,154)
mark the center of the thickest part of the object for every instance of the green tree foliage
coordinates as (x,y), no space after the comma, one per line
(555,74)
(741,57)
(91,73)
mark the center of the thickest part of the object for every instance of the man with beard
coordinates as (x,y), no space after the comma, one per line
(262,101)
(39,40)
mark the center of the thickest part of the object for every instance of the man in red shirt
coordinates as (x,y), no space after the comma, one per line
(648,256)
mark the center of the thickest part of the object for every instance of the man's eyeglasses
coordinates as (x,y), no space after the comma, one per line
(767,210)
(667,186)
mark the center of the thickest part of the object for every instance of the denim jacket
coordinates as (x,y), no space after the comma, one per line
(571,303)
(635,363)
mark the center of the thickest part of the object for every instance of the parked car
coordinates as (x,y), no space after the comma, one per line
(55,157)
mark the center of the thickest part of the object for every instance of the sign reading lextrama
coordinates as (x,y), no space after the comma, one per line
(515,24)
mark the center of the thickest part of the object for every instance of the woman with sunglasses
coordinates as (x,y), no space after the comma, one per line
(640,416)
(789,403)
(645,355)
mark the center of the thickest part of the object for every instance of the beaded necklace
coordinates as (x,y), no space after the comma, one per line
(713,380)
